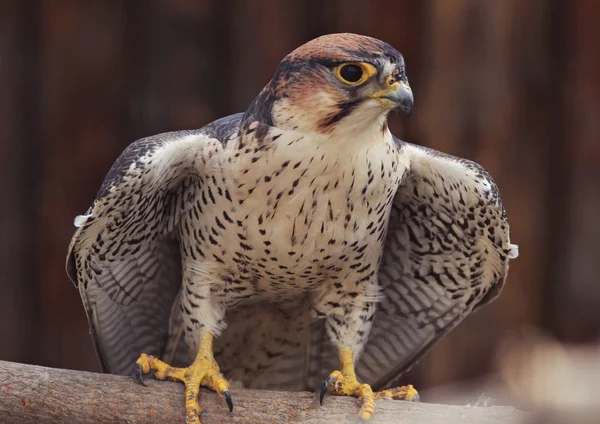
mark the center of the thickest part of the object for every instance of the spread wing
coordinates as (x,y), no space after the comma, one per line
(446,254)
(125,257)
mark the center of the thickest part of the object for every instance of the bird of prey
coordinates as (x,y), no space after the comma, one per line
(294,235)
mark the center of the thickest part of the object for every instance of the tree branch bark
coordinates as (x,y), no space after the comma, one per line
(34,394)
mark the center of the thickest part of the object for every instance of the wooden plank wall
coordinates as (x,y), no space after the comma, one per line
(512,84)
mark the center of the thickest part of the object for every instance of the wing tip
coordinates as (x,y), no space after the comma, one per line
(80,220)
(514,251)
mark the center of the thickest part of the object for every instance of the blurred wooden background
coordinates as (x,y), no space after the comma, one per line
(512,84)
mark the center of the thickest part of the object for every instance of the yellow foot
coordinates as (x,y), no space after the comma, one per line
(204,371)
(338,384)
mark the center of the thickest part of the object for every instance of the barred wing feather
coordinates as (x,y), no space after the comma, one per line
(125,255)
(446,254)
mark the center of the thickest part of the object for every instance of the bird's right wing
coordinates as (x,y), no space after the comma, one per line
(125,254)
(446,254)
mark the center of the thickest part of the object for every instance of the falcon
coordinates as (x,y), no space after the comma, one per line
(273,246)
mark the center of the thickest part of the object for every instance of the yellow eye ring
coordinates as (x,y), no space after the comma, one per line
(354,73)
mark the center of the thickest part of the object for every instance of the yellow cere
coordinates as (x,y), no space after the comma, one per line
(391,82)
(379,95)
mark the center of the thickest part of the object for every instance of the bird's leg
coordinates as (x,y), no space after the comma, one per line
(344,383)
(204,371)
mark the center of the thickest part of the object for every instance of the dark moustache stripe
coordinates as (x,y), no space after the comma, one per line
(344,110)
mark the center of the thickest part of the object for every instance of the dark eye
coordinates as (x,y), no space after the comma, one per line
(354,73)
(351,73)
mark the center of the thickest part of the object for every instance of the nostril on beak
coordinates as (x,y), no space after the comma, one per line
(393,78)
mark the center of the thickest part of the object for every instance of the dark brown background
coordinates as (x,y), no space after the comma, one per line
(512,84)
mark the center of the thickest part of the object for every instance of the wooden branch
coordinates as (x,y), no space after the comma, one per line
(33,394)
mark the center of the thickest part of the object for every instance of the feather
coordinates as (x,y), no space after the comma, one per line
(125,257)
(446,254)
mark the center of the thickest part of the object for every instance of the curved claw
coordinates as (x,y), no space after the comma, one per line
(227,397)
(139,373)
(324,390)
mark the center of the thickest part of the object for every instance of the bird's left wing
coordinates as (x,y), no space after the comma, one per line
(446,254)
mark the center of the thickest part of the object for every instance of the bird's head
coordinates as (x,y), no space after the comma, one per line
(337,82)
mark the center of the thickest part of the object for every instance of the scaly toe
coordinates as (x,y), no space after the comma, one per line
(162,370)
(407,393)
(365,396)
(192,408)
(194,418)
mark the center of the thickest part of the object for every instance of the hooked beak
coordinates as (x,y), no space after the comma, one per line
(397,95)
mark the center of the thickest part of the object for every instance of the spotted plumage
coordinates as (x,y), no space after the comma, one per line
(293,229)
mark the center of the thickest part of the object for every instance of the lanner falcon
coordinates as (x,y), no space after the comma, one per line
(299,227)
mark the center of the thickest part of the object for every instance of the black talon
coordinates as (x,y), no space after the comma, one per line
(227,397)
(139,374)
(324,390)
